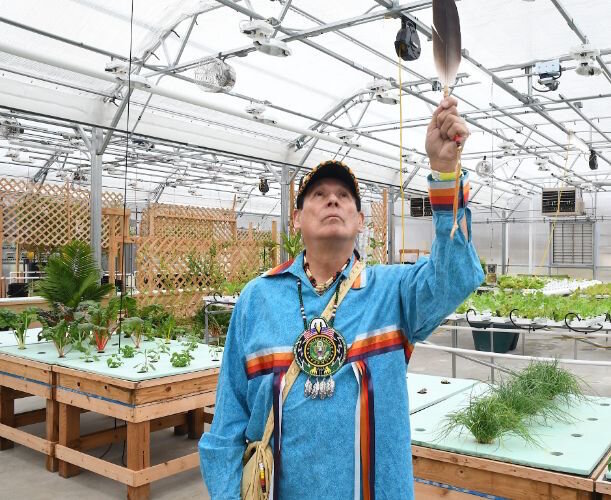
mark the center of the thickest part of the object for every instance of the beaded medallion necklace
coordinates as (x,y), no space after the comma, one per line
(320,350)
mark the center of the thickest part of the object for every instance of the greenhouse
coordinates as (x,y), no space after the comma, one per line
(264,249)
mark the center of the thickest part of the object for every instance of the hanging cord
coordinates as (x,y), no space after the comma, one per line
(401,191)
(128,134)
(551,233)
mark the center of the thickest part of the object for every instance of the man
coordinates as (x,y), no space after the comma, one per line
(349,438)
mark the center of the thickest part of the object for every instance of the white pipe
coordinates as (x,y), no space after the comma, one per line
(556,332)
(155,90)
(486,354)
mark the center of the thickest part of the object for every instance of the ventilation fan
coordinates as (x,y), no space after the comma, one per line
(214,75)
(484,168)
(10,128)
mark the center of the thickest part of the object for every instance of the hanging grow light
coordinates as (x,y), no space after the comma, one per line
(214,75)
(10,128)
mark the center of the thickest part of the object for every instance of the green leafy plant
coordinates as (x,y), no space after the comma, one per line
(21,323)
(7,319)
(60,334)
(215,352)
(114,361)
(71,277)
(89,356)
(521,282)
(181,359)
(100,320)
(135,328)
(149,357)
(128,351)
(292,244)
(167,328)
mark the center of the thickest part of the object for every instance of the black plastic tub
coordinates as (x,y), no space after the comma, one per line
(503,341)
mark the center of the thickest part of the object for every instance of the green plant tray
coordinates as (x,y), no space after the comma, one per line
(576,447)
(435,390)
(45,352)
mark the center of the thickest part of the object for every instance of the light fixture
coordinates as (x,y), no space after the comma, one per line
(593,161)
(585,56)
(263,186)
(215,75)
(578,142)
(192,191)
(541,162)
(483,168)
(407,43)
(261,33)
(10,128)
(347,137)
(256,110)
(382,91)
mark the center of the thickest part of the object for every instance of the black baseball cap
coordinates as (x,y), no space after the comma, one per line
(334,169)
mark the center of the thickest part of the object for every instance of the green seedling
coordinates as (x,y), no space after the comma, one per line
(89,356)
(146,364)
(181,359)
(128,351)
(114,361)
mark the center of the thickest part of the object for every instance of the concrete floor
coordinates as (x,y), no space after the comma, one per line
(23,474)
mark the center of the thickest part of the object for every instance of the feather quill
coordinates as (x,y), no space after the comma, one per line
(447,54)
(446,41)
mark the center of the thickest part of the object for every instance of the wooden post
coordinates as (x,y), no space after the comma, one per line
(2,280)
(52,431)
(138,456)
(195,419)
(275,240)
(291,205)
(7,414)
(112,249)
(69,434)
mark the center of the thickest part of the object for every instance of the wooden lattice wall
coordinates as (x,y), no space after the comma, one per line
(185,253)
(49,216)
(379,218)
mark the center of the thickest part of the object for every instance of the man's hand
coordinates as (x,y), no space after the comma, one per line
(445,126)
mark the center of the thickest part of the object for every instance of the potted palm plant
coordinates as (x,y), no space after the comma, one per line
(71,277)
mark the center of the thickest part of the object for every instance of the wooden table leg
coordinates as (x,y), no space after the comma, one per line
(7,414)
(52,431)
(69,434)
(138,456)
(195,419)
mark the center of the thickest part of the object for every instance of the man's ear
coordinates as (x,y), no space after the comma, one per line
(361,222)
(297,218)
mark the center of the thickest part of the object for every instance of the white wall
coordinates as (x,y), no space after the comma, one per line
(487,238)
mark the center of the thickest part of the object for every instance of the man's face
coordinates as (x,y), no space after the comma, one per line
(329,213)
